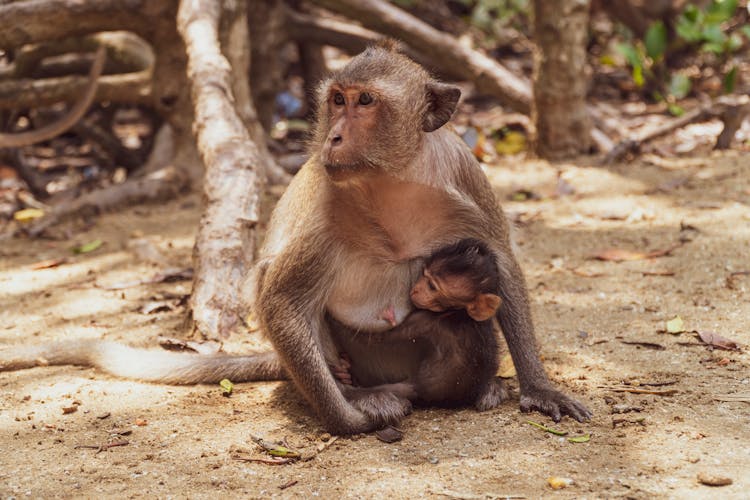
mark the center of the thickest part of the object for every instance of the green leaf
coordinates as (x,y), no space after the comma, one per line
(580,439)
(716,48)
(631,54)
(88,247)
(679,85)
(656,40)
(714,34)
(675,109)
(721,10)
(734,42)
(226,386)
(691,13)
(730,80)
(746,31)
(638,76)
(547,429)
(689,23)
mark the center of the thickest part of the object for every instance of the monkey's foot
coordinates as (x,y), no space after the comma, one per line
(553,403)
(381,407)
(492,395)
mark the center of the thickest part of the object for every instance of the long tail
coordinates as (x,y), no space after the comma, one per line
(149,365)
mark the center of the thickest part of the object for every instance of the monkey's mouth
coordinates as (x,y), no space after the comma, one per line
(341,171)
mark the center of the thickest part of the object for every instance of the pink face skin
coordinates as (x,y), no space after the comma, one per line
(439,295)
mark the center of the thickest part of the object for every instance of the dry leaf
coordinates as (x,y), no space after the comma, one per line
(675,325)
(140,422)
(717,341)
(558,483)
(48,263)
(621,255)
(69,409)
(713,479)
(28,214)
(506,369)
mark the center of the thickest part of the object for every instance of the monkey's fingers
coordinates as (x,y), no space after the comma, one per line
(555,404)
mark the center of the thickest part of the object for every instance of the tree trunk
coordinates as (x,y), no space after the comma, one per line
(563,127)
(225,245)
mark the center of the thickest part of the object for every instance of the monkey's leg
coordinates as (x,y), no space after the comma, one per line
(149,365)
(537,392)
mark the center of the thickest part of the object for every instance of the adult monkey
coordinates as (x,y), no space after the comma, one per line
(384,187)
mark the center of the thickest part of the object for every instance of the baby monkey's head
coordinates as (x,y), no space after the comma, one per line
(460,276)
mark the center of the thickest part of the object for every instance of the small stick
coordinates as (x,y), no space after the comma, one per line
(288,484)
(102,447)
(267,461)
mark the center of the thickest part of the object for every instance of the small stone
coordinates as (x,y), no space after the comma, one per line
(713,480)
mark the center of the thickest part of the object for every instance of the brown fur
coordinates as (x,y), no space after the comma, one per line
(460,351)
(385,186)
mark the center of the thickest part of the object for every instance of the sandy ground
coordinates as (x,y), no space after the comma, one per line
(584,311)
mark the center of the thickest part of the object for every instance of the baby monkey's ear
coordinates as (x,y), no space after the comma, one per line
(484,306)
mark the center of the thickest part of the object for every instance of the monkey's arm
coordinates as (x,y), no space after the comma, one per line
(537,392)
(149,365)
(291,308)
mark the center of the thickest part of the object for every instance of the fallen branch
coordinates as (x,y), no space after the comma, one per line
(224,247)
(39,21)
(66,121)
(161,185)
(443,50)
(731,109)
(28,93)
(434,49)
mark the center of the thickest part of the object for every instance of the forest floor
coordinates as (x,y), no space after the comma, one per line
(600,324)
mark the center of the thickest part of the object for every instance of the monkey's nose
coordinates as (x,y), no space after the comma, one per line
(336,140)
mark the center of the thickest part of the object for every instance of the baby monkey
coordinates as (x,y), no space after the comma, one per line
(456,298)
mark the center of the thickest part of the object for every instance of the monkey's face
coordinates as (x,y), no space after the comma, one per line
(353,119)
(441,293)
(374,112)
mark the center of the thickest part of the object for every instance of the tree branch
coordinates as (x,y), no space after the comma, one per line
(225,244)
(442,50)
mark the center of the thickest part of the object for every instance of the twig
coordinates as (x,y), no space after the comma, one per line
(288,484)
(102,447)
(267,461)
(635,390)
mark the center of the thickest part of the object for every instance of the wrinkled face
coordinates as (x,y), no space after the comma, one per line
(441,293)
(373,113)
(354,114)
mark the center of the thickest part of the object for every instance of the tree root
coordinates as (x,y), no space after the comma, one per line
(66,121)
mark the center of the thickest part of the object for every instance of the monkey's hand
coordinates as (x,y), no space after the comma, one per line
(553,403)
(381,406)
(341,369)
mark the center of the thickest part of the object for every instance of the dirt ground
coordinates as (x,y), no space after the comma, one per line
(182,440)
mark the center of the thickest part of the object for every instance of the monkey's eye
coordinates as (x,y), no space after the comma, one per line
(431,286)
(365,99)
(338,99)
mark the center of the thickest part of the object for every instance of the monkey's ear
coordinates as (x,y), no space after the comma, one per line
(441,103)
(484,306)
